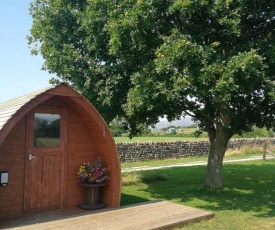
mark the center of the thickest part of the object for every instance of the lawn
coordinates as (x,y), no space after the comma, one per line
(247,201)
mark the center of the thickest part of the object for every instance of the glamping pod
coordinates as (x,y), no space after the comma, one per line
(42,173)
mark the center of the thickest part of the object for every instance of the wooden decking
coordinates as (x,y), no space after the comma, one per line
(149,215)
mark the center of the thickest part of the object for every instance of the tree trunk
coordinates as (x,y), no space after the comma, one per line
(218,146)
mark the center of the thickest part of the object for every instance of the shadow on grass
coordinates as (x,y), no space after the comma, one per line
(127,199)
(247,187)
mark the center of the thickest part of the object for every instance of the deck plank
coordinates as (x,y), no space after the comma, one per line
(148,215)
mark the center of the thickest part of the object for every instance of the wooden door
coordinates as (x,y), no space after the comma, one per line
(46,145)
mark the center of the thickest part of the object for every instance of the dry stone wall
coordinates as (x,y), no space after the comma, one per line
(130,152)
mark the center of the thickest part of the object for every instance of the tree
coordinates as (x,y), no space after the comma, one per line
(118,127)
(142,59)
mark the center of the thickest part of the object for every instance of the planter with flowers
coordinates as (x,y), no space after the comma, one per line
(94,172)
(94,175)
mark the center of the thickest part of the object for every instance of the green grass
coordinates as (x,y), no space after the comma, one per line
(247,201)
(162,162)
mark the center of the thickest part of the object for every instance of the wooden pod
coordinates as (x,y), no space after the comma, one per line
(43,172)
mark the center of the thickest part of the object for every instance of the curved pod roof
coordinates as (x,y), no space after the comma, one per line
(13,110)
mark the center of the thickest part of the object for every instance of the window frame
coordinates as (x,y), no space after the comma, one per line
(48,110)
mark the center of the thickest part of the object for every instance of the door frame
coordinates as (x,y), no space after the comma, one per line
(62,149)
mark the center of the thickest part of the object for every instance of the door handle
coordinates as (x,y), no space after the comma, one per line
(30,157)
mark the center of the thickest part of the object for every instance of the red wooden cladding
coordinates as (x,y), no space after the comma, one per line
(12,160)
(86,138)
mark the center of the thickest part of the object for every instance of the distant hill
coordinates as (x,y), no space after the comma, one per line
(183,122)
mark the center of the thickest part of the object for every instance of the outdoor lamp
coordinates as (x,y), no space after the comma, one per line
(4,178)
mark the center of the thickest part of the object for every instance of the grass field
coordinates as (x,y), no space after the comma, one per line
(247,201)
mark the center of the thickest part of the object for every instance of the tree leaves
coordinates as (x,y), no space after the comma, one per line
(144,59)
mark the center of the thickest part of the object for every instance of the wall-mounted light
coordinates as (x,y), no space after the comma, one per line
(4,178)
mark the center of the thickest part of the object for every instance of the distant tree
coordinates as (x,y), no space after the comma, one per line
(171,126)
(256,132)
(163,129)
(192,126)
(212,60)
(118,127)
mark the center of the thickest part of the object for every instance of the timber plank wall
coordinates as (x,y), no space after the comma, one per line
(11,157)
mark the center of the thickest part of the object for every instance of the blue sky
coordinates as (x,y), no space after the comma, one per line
(20,72)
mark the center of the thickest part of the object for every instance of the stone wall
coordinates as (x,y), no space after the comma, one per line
(130,152)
